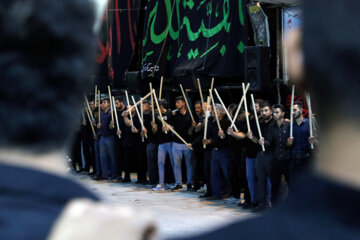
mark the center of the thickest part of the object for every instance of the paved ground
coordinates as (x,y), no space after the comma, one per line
(177,213)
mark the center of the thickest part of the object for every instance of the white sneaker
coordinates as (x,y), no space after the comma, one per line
(159,187)
(202,190)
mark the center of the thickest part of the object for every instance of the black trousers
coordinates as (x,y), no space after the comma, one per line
(263,172)
(135,155)
(119,153)
(75,154)
(87,142)
(207,172)
(279,168)
(298,165)
(198,168)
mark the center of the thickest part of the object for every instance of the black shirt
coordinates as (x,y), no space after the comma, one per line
(277,138)
(251,148)
(151,137)
(31,201)
(163,137)
(265,126)
(217,142)
(181,124)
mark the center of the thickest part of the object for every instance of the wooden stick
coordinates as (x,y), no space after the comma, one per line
(111,105)
(257,120)
(215,112)
(201,95)
(226,111)
(206,118)
(88,106)
(161,85)
(142,117)
(139,116)
(240,105)
(187,104)
(212,84)
(160,114)
(246,109)
(92,127)
(99,96)
(128,103)
(95,100)
(310,117)
(292,110)
(178,135)
(116,116)
(152,103)
(138,102)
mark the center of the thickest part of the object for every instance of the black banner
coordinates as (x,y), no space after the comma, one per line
(188,36)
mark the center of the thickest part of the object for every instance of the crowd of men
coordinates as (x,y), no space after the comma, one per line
(230,159)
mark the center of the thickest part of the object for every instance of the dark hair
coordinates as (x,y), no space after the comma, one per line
(198,102)
(265,104)
(145,101)
(180,98)
(280,106)
(299,104)
(259,101)
(47,52)
(331,60)
(106,99)
(120,99)
(163,102)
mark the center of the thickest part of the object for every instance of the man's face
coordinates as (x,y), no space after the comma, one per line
(105,105)
(92,105)
(266,112)
(257,108)
(180,104)
(297,112)
(117,104)
(146,107)
(198,109)
(278,114)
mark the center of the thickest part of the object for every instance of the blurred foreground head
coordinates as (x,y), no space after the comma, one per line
(331,56)
(46,59)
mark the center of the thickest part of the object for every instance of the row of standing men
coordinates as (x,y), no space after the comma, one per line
(227,161)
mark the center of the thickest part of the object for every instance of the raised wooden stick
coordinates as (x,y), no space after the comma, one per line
(187,104)
(201,95)
(206,118)
(99,96)
(226,111)
(138,102)
(88,106)
(178,135)
(240,105)
(111,105)
(128,103)
(159,111)
(257,121)
(116,117)
(310,117)
(292,111)
(161,85)
(95,100)
(142,117)
(215,112)
(152,103)
(246,109)
(139,116)
(92,127)
(212,84)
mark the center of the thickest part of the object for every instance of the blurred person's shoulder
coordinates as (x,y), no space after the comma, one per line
(319,209)
(31,200)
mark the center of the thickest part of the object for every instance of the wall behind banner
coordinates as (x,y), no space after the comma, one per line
(117,41)
(187,36)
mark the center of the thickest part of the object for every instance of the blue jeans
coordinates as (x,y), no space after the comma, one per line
(108,159)
(251,178)
(97,158)
(163,149)
(151,153)
(219,166)
(178,151)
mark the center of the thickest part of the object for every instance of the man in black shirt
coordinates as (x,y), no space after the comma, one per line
(263,158)
(183,125)
(220,153)
(277,137)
